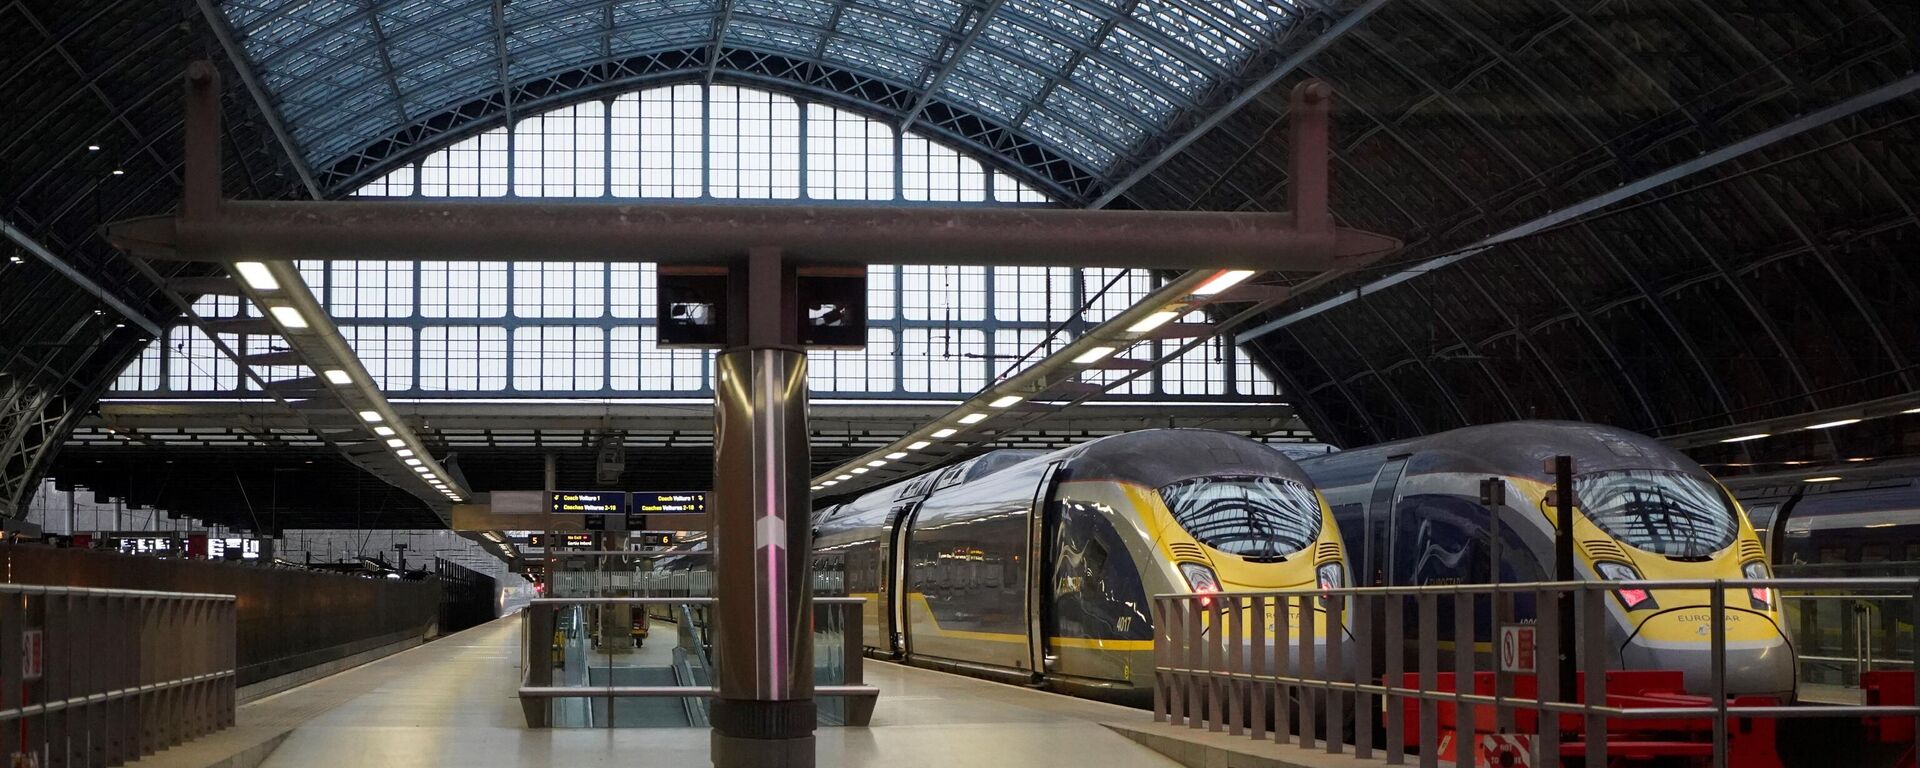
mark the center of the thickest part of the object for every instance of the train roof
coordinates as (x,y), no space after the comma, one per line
(1520,448)
(1159,457)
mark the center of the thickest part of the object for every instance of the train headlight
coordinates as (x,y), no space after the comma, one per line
(1329,576)
(1634,598)
(1759,598)
(1202,580)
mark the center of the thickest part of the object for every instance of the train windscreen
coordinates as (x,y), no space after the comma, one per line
(1263,519)
(1660,511)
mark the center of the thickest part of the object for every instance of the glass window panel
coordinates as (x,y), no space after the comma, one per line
(194,364)
(476,167)
(848,156)
(1251,379)
(559,359)
(463,289)
(930,171)
(1201,371)
(943,293)
(371,289)
(212,306)
(254,344)
(943,360)
(657,143)
(463,358)
(640,365)
(143,374)
(869,370)
(880,287)
(1015,350)
(562,153)
(399,183)
(754,146)
(386,352)
(631,290)
(1123,288)
(1008,189)
(559,289)
(1033,294)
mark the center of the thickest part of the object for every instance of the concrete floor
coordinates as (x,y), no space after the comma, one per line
(451,703)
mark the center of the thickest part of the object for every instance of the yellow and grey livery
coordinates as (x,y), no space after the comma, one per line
(1038,568)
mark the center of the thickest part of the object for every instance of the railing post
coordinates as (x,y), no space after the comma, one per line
(1593,659)
(1429,680)
(1363,714)
(1162,649)
(1257,668)
(1194,662)
(1336,700)
(1309,693)
(1466,730)
(1717,618)
(1236,709)
(1547,682)
(1396,657)
(1282,667)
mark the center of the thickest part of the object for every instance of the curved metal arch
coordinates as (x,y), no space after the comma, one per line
(988,155)
(1445,387)
(1339,384)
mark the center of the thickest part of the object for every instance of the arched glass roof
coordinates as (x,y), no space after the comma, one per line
(1082,82)
(550,329)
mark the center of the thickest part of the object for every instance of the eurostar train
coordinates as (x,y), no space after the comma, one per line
(1038,568)
(1412,513)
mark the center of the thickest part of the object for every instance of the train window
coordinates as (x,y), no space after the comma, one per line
(1873,553)
(1668,513)
(1259,518)
(1913,552)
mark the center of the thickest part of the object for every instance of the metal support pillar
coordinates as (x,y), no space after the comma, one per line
(764,713)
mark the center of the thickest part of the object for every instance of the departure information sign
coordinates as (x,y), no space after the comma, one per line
(589,503)
(669,502)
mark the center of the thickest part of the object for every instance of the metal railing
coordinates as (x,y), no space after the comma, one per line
(102,677)
(1223,661)
(839,617)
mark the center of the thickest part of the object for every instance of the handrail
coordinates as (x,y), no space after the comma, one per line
(48,589)
(1215,657)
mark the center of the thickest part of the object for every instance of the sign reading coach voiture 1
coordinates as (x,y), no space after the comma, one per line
(655,510)
(588,503)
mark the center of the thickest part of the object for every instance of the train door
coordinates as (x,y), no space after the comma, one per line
(1040,652)
(1377,554)
(893,583)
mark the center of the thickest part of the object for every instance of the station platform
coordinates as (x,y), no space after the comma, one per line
(451,703)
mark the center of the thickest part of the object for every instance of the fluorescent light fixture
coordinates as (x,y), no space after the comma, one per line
(1911,410)
(861,470)
(402,453)
(288,316)
(256,275)
(370,417)
(1223,281)
(413,462)
(829,482)
(1832,424)
(973,418)
(394,442)
(1006,402)
(338,376)
(1153,321)
(917,445)
(945,433)
(1859,458)
(1744,438)
(896,455)
(383,431)
(1093,355)
(818,487)
(843,477)
(1826,479)
(422,470)
(1880,525)
(876,463)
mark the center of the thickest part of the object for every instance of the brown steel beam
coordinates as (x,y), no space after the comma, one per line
(682,233)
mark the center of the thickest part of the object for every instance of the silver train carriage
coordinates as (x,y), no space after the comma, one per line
(962,574)
(1411,512)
